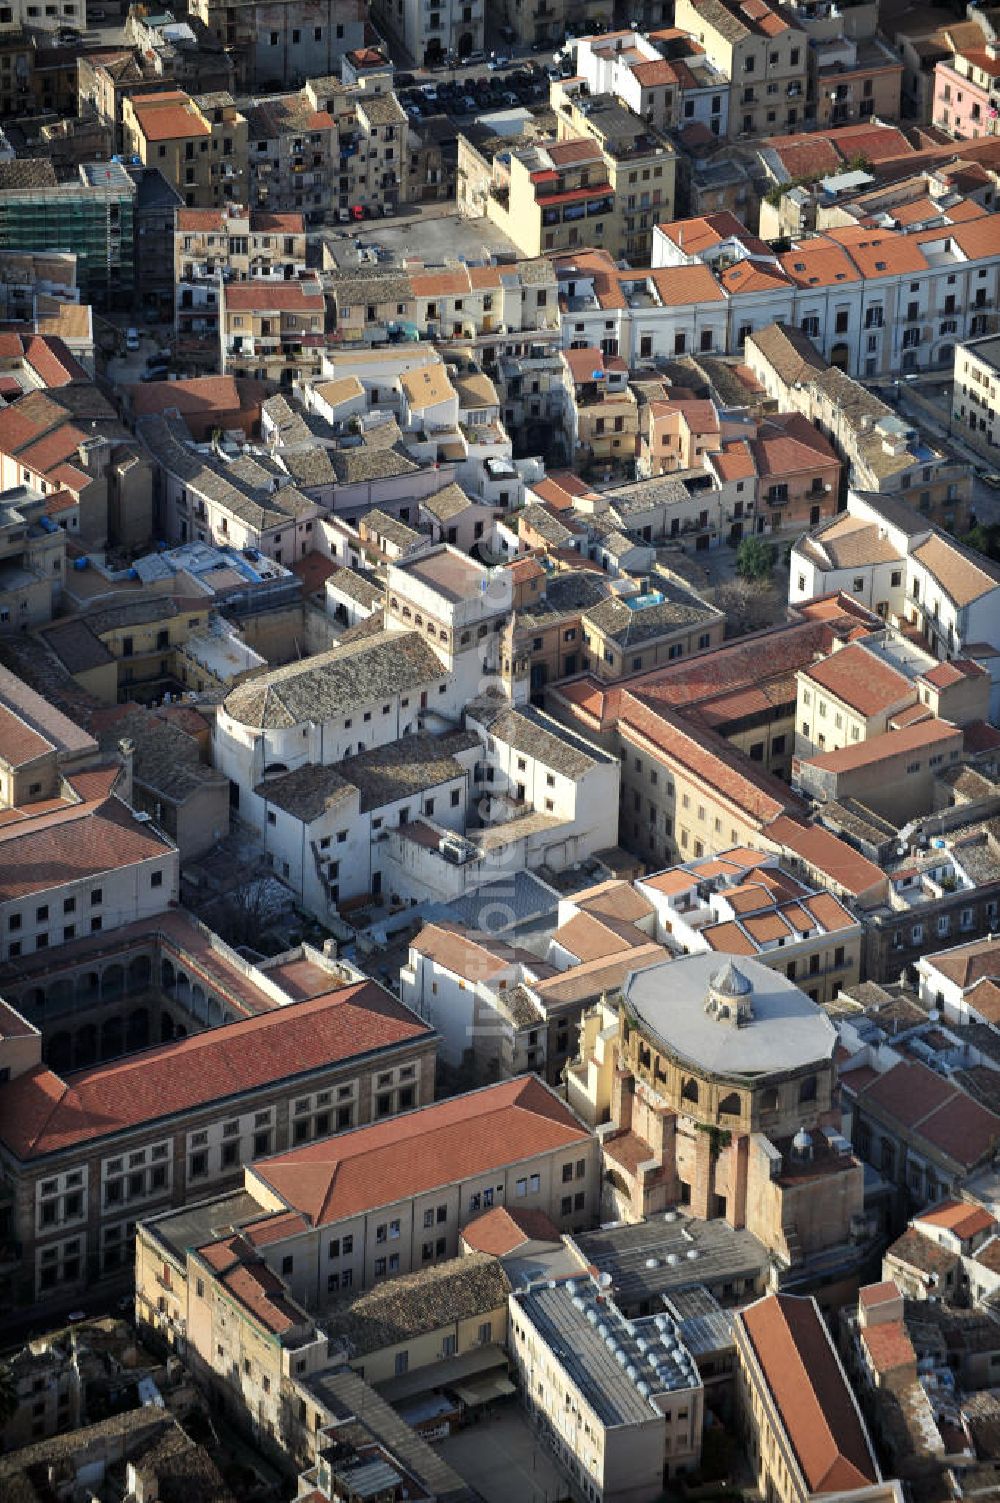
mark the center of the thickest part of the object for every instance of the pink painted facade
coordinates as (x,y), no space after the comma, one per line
(967,95)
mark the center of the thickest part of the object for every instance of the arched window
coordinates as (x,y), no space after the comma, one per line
(689,1091)
(769,1100)
(729,1106)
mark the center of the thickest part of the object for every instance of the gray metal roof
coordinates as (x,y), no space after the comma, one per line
(654,1258)
(705,1326)
(786,1031)
(499,905)
(604,1355)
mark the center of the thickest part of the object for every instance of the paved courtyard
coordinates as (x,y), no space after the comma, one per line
(432,231)
(504,1460)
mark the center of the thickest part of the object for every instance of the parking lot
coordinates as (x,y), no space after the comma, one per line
(129,366)
(466,96)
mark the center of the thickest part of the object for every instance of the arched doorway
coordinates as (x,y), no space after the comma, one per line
(85,1047)
(137,1029)
(140,970)
(59,1052)
(112,1038)
(113,981)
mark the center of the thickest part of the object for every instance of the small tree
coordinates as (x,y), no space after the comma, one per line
(754,559)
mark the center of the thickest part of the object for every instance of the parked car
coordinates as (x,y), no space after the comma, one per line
(402,80)
(499,60)
(131,339)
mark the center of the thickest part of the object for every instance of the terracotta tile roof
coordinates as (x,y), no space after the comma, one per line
(17,427)
(593,977)
(912,738)
(201,395)
(968,964)
(934,1110)
(168,117)
(788,445)
(694,236)
(559,488)
(828,912)
(908,716)
(204,220)
(656,71)
(963,576)
(502,1231)
(828,855)
(711,762)
(614,899)
(980,737)
(679,286)
(671,882)
(263,1293)
(75,840)
(591,938)
(978,237)
(734,461)
(265,295)
(284,224)
(809,1390)
(41,1113)
(922,1253)
(599,265)
(753,275)
(860,679)
(805,155)
(879,143)
(988,1256)
(946,675)
(888,1346)
(735,665)
(729,938)
(19,743)
(426,386)
(820,263)
(582,363)
(958,1216)
(880,253)
(878,1294)
(483,277)
(984,1001)
(314,569)
(446,282)
(468,953)
(579,149)
(451,1141)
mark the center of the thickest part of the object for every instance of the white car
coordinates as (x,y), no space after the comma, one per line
(131,339)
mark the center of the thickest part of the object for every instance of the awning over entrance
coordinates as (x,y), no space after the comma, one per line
(483,1390)
(452,1373)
